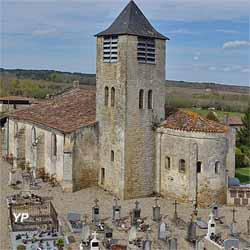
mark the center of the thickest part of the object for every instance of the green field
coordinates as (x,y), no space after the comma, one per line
(243,174)
(204,112)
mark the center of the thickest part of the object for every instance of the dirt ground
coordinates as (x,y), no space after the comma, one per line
(82,202)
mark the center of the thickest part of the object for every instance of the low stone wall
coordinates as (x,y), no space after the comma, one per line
(238,196)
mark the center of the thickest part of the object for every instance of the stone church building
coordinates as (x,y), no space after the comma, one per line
(119,135)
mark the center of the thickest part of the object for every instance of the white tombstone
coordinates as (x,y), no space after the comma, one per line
(211,226)
(162,231)
(132,234)
(85,233)
(81,246)
(94,243)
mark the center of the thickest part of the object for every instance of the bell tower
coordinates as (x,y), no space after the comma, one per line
(130,101)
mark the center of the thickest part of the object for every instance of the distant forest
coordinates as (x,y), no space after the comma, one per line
(42,83)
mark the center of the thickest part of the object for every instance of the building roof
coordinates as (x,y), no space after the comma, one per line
(132,21)
(234,121)
(66,113)
(191,121)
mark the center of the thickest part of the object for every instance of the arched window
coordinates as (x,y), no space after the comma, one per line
(33,136)
(150,99)
(182,166)
(106,96)
(217,167)
(112,156)
(141,97)
(167,162)
(54,145)
(198,166)
(112,97)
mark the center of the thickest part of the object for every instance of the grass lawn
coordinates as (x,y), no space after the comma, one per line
(243,174)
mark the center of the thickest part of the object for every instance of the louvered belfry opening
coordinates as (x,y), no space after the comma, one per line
(110,48)
(146,50)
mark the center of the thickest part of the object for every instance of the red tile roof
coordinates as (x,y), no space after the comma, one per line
(191,121)
(66,113)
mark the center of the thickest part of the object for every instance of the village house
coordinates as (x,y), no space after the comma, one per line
(118,135)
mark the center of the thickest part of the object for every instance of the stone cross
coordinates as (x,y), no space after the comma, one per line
(116,211)
(175,209)
(136,213)
(156,211)
(96,213)
(234,212)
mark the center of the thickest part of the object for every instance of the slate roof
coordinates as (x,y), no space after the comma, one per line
(132,21)
(191,121)
(65,113)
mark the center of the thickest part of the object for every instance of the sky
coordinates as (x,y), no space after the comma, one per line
(209,39)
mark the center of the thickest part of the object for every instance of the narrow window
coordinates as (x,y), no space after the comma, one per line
(217,167)
(110,48)
(141,97)
(112,156)
(167,162)
(146,50)
(150,99)
(54,145)
(182,166)
(112,97)
(102,176)
(198,167)
(15,129)
(106,96)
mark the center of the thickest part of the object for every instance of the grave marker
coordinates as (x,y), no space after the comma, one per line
(156,211)
(136,213)
(211,227)
(96,213)
(172,244)
(191,232)
(116,211)
(162,231)
(94,243)
(132,234)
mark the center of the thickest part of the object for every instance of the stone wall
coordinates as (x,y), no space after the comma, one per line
(85,158)
(124,129)
(213,150)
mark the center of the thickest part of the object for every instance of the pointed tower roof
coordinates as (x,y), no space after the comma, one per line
(132,21)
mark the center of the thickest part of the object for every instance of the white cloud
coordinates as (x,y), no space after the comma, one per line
(196,58)
(225,31)
(247,70)
(44,32)
(180,32)
(212,68)
(226,69)
(235,44)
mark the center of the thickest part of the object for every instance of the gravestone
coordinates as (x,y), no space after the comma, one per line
(172,244)
(96,213)
(116,212)
(215,211)
(231,244)
(162,231)
(94,243)
(248,225)
(85,235)
(156,211)
(147,244)
(136,213)
(132,234)
(26,181)
(191,231)
(211,226)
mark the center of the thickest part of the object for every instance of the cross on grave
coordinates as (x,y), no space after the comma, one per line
(96,213)
(136,214)
(156,211)
(191,231)
(94,243)
(147,244)
(234,212)
(175,210)
(116,211)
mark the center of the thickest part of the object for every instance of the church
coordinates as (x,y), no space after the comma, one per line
(119,135)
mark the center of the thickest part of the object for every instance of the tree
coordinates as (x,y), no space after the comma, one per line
(211,115)
(243,135)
